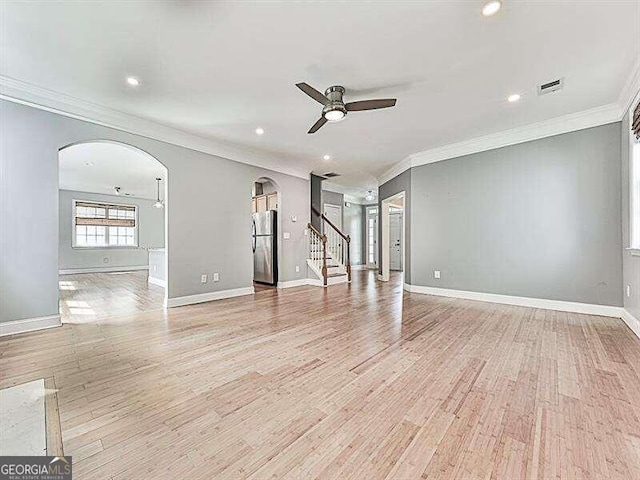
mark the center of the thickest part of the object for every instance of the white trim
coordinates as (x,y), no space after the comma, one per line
(632,322)
(385,233)
(29,325)
(209,296)
(294,283)
(72,271)
(359,267)
(48,100)
(556,126)
(630,92)
(561,305)
(157,281)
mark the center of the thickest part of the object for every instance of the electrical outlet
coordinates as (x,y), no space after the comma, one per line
(436,274)
(628,291)
(297,268)
(216,277)
(105,259)
(203,279)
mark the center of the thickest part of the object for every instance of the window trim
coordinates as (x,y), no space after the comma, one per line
(74,245)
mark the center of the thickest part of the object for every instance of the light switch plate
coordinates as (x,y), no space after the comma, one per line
(216,277)
(286,235)
(203,279)
(436,274)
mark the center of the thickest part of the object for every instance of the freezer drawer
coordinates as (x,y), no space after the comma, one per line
(263,257)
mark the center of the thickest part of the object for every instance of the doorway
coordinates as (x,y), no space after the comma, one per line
(112,256)
(392,235)
(396,220)
(265,227)
(334,214)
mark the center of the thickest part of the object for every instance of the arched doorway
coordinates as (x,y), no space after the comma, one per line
(265,228)
(112,231)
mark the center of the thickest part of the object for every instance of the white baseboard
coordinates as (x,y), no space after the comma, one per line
(208,297)
(294,283)
(632,322)
(575,307)
(29,325)
(71,271)
(157,281)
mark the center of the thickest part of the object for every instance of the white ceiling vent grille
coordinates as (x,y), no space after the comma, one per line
(551,87)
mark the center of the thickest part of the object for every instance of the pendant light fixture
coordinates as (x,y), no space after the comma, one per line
(159,203)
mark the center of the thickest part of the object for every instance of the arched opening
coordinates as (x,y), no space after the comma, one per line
(112,255)
(265,228)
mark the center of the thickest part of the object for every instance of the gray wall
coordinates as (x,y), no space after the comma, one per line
(208,207)
(150,234)
(353,222)
(540,219)
(398,184)
(631,263)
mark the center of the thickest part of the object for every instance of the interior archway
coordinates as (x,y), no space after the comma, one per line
(112,230)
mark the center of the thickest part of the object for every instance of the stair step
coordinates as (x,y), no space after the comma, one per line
(337,274)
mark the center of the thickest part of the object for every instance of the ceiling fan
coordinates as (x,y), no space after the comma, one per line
(334,108)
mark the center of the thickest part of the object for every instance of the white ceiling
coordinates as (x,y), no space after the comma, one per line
(220,69)
(98,167)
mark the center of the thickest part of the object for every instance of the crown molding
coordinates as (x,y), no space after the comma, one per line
(535,131)
(48,100)
(631,90)
(397,169)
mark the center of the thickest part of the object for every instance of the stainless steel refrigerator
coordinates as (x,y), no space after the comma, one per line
(265,247)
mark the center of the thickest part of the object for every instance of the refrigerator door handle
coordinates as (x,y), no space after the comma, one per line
(253,235)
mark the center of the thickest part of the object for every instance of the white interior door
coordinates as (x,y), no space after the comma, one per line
(395,241)
(334,214)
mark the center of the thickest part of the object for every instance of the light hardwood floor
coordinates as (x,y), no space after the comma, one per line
(88,296)
(355,381)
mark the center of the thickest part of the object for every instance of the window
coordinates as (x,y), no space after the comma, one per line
(634,186)
(372,233)
(101,225)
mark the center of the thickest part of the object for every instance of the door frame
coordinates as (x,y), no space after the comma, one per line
(385,234)
(324,206)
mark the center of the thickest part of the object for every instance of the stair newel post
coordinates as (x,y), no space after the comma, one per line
(324,259)
(349,258)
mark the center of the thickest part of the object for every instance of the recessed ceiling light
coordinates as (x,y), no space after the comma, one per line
(89,164)
(491,8)
(327,157)
(514,98)
(259,131)
(133,81)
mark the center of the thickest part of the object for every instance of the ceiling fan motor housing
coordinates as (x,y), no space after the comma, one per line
(334,94)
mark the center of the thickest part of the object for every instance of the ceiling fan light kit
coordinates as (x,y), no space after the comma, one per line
(334,109)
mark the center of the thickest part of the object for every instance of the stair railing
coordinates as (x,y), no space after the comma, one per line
(338,244)
(318,250)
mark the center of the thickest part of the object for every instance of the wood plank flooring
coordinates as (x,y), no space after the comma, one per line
(86,297)
(357,381)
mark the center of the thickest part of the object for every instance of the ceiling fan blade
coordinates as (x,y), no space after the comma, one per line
(318,125)
(313,93)
(370,104)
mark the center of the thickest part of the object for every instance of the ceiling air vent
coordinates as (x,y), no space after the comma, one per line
(331,175)
(550,87)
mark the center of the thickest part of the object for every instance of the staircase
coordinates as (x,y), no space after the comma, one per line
(329,256)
